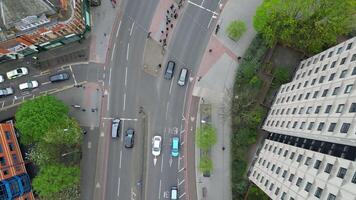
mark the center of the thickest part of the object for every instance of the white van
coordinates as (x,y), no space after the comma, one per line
(174,193)
(182,76)
(115,128)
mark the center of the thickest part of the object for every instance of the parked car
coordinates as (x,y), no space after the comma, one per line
(2,78)
(129,138)
(28,85)
(17,73)
(168,74)
(182,76)
(115,128)
(59,77)
(174,193)
(175,147)
(6,92)
(156,145)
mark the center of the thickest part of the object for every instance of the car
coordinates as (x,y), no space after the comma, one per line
(175,147)
(17,73)
(59,77)
(182,76)
(129,138)
(2,78)
(115,128)
(28,85)
(156,145)
(174,193)
(6,92)
(168,74)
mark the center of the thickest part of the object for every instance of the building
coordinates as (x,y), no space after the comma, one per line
(31,26)
(14,180)
(310,151)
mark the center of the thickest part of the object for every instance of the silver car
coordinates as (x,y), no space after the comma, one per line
(6,92)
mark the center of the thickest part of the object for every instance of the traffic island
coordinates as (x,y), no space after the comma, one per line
(153,57)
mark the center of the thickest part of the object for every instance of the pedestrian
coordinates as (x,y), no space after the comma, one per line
(83,109)
(160,41)
(172,6)
(167,29)
(239,59)
(217,29)
(167,34)
(171,25)
(210,50)
(223,148)
(199,78)
(167,11)
(179,6)
(162,31)
(176,16)
(159,65)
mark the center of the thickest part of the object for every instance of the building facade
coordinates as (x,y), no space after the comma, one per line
(14,180)
(32,26)
(310,151)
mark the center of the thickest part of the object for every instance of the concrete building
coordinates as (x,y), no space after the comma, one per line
(28,27)
(14,181)
(310,152)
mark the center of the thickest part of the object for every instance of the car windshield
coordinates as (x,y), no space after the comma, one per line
(155,148)
(30,84)
(19,71)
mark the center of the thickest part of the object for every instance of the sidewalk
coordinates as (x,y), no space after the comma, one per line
(216,78)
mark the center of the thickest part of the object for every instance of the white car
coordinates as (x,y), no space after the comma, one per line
(17,73)
(6,91)
(2,78)
(28,85)
(156,145)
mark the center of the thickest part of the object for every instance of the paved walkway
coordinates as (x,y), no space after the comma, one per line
(216,77)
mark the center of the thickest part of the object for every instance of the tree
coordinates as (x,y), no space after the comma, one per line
(246,136)
(235,29)
(205,164)
(281,76)
(255,82)
(206,137)
(308,25)
(256,193)
(36,117)
(53,179)
(254,117)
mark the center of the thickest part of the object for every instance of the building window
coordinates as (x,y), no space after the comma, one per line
(302,125)
(324,67)
(316,70)
(315,94)
(300,97)
(283,196)
(285,153)
(331,77)
(321,80)
(307,95)
(352,108)
(299,181)
(325,92)
(349,46)
(292,155)
(339,50)
(295,124)
(299,84)
(277,191)
(313,81)
(284,173)
(291,177)
(7,134)
(5,172)
(14,158)
(279,151)
(11,147)
(328,108)
(294,110)
(277,170)
(266,183)
(317,109)
(353,180)
(332,127)
(321,126)
(271,187)
(342,172)
(328,168)
(307,161)
(331,197)
(306,83)
(336,91)
(353,58)
(272,168)
(3,161)
(311,124)
(348,88)
(307,187)
(340,108)
(318,192)
(301,110)
(333,64)
(317,164)
(300,156)
(345,127)
(353,71)
(343,61)
(1,148)
(330,54)
(343,73)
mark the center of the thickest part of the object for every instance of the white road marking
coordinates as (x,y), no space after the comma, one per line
(159,189)
(131,30)
(181,169)
(108,105)
(178,163)
(180,182)
(118,29)
(110,76)
(170,87)
(113,51)
(75,81)
(167,110)
(89,145)
(202,3)
(126,76)
(45,83)
(122,132)
(181,195)
(128,50)
(118,188)
(162,163)
(2,104)
(124,102)
(202,7)
(120,159)
(128,119)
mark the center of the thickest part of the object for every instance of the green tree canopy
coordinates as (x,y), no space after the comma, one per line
(235,29)
(206,137)
(38,116)
(53,179)
(256,193)
(205,164)
(305,24)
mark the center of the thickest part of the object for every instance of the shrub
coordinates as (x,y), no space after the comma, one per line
(256,193)
(205,137)
(205,164)
(235,29)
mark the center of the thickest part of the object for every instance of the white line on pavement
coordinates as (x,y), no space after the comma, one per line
(118,188)
(128,50)
(113,51)
(108,105)
(181,169)
(128,119)
(122,138)
(170,87)
(45,83)
(167,110)
(118,29)
(124,102)
(159,189)
(178,162)
(180,182)
(202,3)
(131,30)
(75,81)
(162,164)
(110,76)
(120,158)
(126,76)
(2,104)
(181,195)
(202,7)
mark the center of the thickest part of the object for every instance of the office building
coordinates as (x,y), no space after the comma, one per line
(310,151)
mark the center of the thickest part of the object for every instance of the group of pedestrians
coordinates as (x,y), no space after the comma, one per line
(171,14)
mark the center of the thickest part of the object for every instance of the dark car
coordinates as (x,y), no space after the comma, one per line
(168,74)
(59,77)
(129,138)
